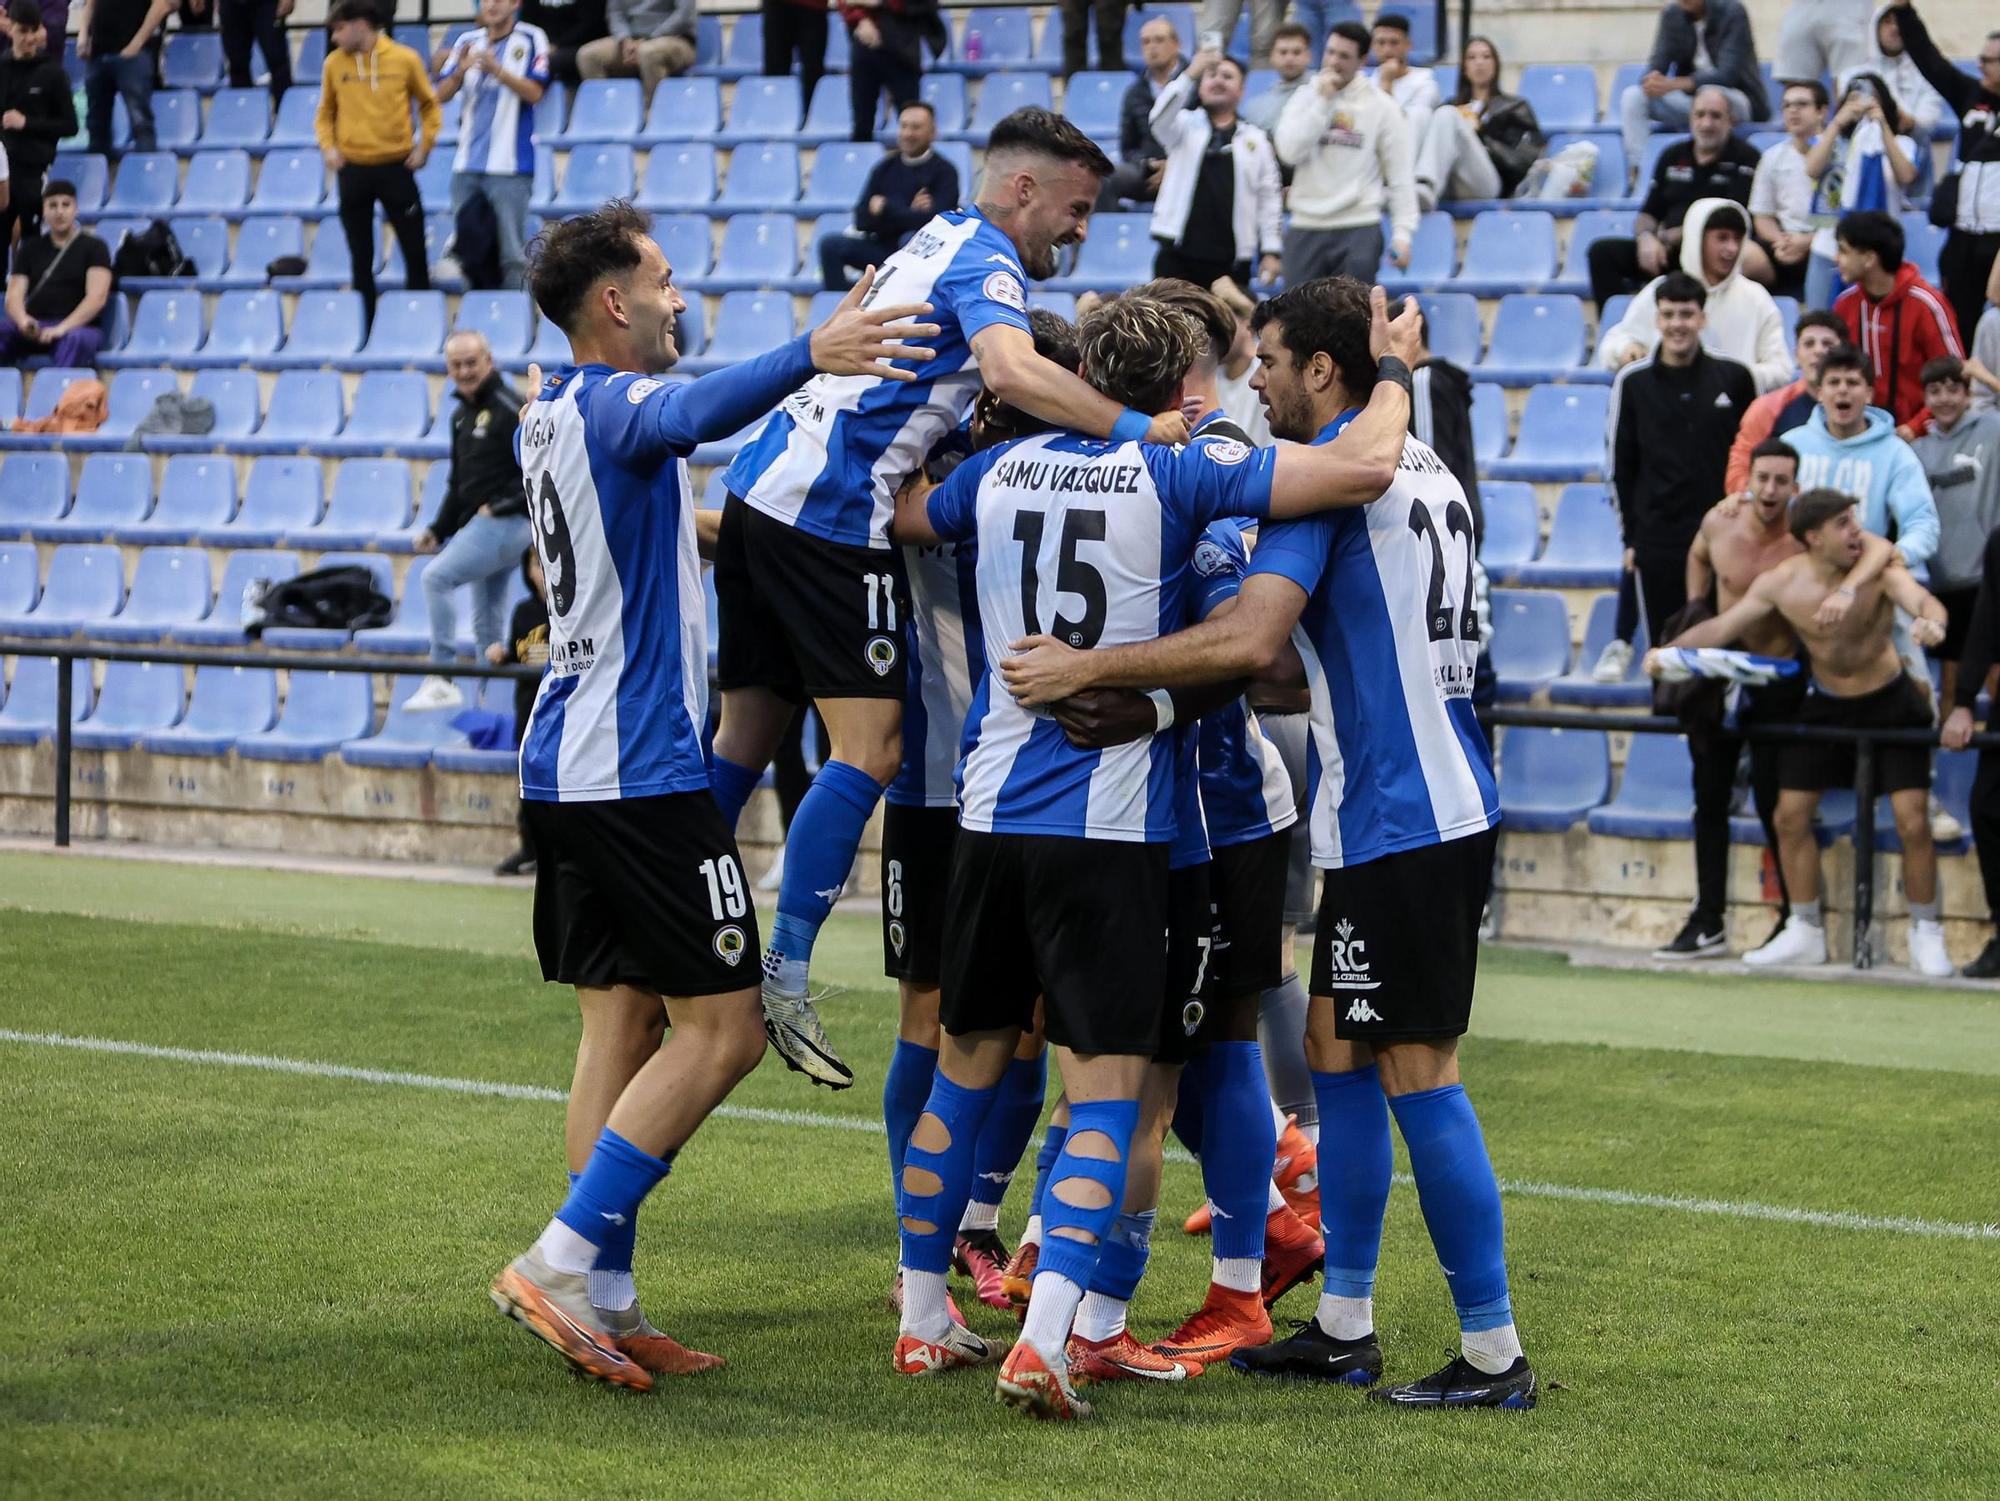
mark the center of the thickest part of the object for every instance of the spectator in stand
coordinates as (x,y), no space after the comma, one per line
(527,643)
(1221,201)
(887,56)
(55,21)
(37,112)
(481,523)
(903,191)
(1076,19)
(1484,142)
(796,28)
(570,25)
(1215,23)
(1920,106)
(58,286)
(649,40)
(1852,446)
(1742,322)
(1142,161)
(119,41)
(1858,163)
(248,24)
(1711,163)
(368,87)
(1781,194)
(1986,343)
(1970,199)
(1349,148)
(1674,414)
(503,68)
(1240,399)
(1821,37)
(1414,89)
(1291,56)
(1899,320)
(1791,405)
(1698,45)
(1981,649)
(1961,458)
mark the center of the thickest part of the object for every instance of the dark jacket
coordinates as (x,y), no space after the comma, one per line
(906,25)
(1135,119)
(1977,107)
(528,630)
(484,471)
(1441,415)
(1513,139)
(1670,434)
(39,89)
(1732,50)
(1982,637)
(1679,181)
(896,182)
(568,24)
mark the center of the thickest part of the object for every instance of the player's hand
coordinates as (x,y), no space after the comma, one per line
(1726,508)
(857,340)
(867,33)
(416,159)
(534,390)
(1098,718)
(1833,609)
(1269,269)
(923,201)
(13,119)
(333,159)
(1169,429)
(1652,253)
(1399,255)
(1402,335)
(1041,670)
(1957,731)
(1926,632)
(424,541)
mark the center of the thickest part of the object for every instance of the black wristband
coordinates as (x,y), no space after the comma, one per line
(1392,369)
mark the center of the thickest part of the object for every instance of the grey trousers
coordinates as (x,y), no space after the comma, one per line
(1313,253)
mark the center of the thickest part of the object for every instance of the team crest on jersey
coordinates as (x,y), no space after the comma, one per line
(1347,960)
(729,945)
(639,390)
(1191,1015)
(896,937)
(1225,451)
(1210,559)
(881,655)
(1001,286)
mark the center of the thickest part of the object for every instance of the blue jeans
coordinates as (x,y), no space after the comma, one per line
(508,193)
(113,77)
(481,553)
(1317,16)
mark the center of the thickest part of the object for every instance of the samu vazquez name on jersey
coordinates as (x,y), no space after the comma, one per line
(1060,479)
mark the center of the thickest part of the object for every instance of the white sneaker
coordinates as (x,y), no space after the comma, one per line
(1613,663)
(1797,942)
(1927,955)
(773,878)
(1945,829)
(434,692)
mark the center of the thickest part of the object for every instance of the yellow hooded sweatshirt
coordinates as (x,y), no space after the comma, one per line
(364,104)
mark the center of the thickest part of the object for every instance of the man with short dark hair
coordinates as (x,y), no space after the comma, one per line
(904,190)
(1221,201)
(1898,319)
(1142,160)
(1414,88)
(37,113)
(1781,195)
(1776,413)
(1698,44)
(59,284)
(119,41)
(1851,445)
(502,68)
(1291,58)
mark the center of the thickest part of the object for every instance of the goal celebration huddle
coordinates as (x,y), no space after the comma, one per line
(1118,673)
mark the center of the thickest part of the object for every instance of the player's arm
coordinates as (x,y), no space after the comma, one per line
(707,532)
(1021,378)
(1877,553)
(1752,609)
(1700,566)
(1903,589)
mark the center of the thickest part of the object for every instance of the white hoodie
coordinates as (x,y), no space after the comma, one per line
(1743,321)
(1351,160)
(1912,92)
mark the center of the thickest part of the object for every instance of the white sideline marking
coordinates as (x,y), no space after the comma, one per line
(1740,1209)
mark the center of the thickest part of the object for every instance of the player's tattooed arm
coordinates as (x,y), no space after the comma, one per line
(911,525)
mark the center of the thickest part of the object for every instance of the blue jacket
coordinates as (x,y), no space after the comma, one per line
(1882,473)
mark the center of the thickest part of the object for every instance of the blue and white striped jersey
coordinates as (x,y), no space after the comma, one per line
(1087,540)
(1395,760)
(496,130)
(946,657)
(1245,792)
(829,460)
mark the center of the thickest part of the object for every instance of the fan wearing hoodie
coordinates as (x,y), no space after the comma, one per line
(1742,323)
(1776,413)
(37,110)
(1850,446)
(1349,146)
(1899,320)
(1920,105)
(1961,458)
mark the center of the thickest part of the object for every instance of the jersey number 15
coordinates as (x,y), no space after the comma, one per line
(1073,576)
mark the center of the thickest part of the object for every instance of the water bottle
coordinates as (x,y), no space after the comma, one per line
(975,45)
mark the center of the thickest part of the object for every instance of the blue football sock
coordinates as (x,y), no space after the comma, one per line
(961,1112)
(1075,1256)
(604,1201)
(819,852)
(1239,1142)
(1354,1169)
(911,1070)
(731,784)
(1004,1138)
(1460,1199)
(1187,1125)
(1121,1261)
(1045,1161)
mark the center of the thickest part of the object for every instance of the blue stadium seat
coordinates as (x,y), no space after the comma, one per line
(1565,98)
(43,393)
(281,496)
(686,242)
(1656,146)
(145,184)
(1551,779)
(238,117)
(747,324)
(20,578)
(438,229)
(259,241)
(604,109)
(1561,435)
(29,714)
(327,266)
(169,589)
(1586,544)
(830,112)
(1092,102)
(1536,339)
(1433,252)
(1062,304)
(1655,795)
(758,250)
(166,327)
(291,181)
(218,182)
(1005,38)
(1513,527)
(1118,254)
(409,634)
(594,174)
(764,109)
(204,240)
(34,495)
(223,625)
(10,393)
(496,696)
(689,109)
(294,125)
(1627,76)
(91,174)
(114,491)
(1922,241)
(505,317)
(192,60)
(691,328)
(743,52)
(1451,322)
(227,702)
(1635,691)
(1509,250)
(551,112)
(679,176)
(550,346)
(408,331)
(390,412)
(944,93)
(197,494)
(322,711)
(1589,226)
(326,329)
(1489,422)
(132,395)
(137,697)
(85,584)
(371,501)
(233,394)
(176,120)
(1000,95)
(1606,187)
(310,638)
(1424,38)
(1530,641)
(763,176)
(435,442)
(408,736)
(247,329)
(839,173)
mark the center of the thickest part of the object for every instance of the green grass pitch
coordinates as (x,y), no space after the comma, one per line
(234,1280)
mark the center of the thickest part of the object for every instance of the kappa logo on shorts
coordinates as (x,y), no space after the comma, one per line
(1361,1011)
(1347,960)
(897,937)
(1191,1018)
(881,655)
(729,945)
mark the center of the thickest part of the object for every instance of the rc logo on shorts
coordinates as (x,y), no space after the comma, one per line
(896,937)
(729,945)
(1191,1015)
(881,655)
(1347,962)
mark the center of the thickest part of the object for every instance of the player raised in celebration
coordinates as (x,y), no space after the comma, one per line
(813,596)
(1404,819)
(640,902)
